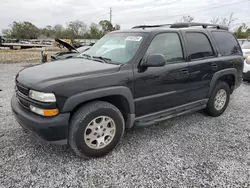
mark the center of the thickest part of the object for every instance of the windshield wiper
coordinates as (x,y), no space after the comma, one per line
(85,55)
(98,58)
(103,59)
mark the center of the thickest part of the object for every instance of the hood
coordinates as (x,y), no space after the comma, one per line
(66,45)
(43,75)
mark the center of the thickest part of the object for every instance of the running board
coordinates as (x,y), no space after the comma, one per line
(157,117)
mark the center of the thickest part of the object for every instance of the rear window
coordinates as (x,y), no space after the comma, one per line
(227,43)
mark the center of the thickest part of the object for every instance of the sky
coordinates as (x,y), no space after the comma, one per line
(127,13)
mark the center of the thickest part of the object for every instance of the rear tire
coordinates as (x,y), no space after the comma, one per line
(95,129)
(218,100)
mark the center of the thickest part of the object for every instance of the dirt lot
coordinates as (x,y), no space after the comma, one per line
(188,151)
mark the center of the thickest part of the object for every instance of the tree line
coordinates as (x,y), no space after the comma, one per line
(79,30)
(74,30)
(241,32)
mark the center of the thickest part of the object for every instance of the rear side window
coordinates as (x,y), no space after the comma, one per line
(198,46)
(167,44)
(227,43)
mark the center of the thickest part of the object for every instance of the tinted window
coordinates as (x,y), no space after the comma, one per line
(227,43)
(198,46)
(167,44)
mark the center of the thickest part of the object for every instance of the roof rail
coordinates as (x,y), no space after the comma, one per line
(184,25)
(204,25)
(150,26)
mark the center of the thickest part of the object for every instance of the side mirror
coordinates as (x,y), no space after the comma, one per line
(154,60)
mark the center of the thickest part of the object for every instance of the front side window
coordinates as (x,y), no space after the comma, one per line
(118,47)
(227,43)
(167,44)
(198,46)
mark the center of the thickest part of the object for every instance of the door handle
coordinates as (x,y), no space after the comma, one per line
(214,66)
(184,71)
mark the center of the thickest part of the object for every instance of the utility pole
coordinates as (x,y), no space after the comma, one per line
(110,14)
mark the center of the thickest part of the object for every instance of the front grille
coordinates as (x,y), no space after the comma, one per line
(22,89)
(23,103)
(22,94)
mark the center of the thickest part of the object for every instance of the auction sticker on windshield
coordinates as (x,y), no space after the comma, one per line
(134,38)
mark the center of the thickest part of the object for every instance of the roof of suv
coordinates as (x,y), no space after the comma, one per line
(173,27)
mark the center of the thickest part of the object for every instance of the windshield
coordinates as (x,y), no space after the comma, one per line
(118,47)
(246,45)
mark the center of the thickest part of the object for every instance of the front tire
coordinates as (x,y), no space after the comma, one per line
(219,99)
(95,129)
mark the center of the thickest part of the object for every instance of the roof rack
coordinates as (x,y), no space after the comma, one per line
(150,26)
(184,25)
(191,24)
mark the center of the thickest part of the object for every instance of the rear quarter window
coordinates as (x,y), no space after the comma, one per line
(227,43)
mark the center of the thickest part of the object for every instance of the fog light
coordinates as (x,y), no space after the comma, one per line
(43,112)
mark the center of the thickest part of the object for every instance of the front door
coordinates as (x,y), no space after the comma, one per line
(160,88)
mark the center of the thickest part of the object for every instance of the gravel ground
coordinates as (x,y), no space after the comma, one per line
(188,151)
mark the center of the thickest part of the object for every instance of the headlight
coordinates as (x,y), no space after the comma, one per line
(48,113)
(43,97)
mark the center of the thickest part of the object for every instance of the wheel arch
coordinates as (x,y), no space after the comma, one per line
(119,96)
(226,75)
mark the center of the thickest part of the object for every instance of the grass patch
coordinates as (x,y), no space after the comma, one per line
(20,56)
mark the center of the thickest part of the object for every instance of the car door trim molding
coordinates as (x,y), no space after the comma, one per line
(160,95)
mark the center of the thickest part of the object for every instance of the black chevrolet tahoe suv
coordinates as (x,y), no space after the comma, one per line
(135,77)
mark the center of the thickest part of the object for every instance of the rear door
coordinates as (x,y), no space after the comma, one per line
(203,62)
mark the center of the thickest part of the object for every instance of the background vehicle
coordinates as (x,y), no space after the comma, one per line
(246,49)
(246,70)
(72,51)
(158,73)
(246,53)
(1,40)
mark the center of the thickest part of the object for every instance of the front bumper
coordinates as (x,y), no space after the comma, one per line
(50,129)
